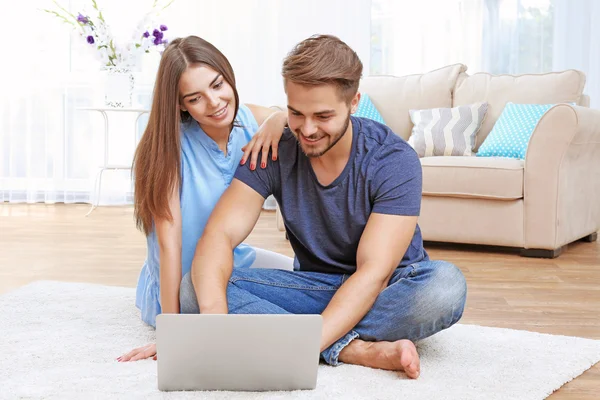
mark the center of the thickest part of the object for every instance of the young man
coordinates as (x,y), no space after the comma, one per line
(349,190)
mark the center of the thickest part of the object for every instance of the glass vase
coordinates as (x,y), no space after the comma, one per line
(118,88)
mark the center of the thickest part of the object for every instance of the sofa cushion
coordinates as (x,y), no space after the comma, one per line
(497,90)
(510,136)
(393,96)
(446,131)
(473,177)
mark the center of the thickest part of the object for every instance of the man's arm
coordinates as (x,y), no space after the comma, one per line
(382,246)
(397,188)
(229,224)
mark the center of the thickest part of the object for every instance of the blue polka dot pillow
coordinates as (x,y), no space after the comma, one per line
(367,109)
(512,131)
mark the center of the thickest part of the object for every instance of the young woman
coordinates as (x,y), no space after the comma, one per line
(197,134)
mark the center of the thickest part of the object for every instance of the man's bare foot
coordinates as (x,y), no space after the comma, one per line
(395,356)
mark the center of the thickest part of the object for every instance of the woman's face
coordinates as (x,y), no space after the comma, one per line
(204,93)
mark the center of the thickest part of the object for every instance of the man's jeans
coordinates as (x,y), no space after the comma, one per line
(421,299)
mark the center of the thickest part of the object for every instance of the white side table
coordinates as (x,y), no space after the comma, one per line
(106,166)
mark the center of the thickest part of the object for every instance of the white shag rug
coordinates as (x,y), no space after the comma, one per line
(60,341)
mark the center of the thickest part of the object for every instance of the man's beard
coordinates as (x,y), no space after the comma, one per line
(336,138)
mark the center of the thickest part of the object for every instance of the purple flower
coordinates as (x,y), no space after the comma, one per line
(146,34)
(163,28)
(90,39)
(83,19)
(157,34)
(157,41)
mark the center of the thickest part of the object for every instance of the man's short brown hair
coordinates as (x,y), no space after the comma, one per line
(324,59)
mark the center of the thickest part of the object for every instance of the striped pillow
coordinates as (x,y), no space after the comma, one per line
(446,131)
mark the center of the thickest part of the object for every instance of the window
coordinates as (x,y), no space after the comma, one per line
(496,36)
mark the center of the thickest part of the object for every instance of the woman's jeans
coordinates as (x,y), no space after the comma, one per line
(421,299)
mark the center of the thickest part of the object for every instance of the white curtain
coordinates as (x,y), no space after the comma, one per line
(517,36)
(51,149)
(496,36)
(577,42)
(410,37)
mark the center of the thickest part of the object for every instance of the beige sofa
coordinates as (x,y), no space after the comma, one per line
(538,204)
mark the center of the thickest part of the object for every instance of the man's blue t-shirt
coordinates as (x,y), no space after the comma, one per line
(325,223)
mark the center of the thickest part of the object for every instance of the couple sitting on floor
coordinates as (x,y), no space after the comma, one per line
(349,191)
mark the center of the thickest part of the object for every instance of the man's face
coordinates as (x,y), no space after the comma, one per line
(317,116)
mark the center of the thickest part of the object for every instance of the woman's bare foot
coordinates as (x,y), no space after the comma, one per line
(395,356)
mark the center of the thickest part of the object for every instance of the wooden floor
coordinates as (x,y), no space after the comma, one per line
(560,296)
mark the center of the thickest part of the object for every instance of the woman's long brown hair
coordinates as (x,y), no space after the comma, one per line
(157,160)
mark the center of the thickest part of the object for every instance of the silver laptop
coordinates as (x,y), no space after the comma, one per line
(237,352)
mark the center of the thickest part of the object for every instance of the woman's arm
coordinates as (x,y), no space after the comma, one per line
(169,241)
(261,114)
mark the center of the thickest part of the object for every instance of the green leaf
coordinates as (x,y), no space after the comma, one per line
(63,18)
(95,6)
(65,10)
(168,4)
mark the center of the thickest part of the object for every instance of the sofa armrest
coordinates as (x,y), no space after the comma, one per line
(562,178)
